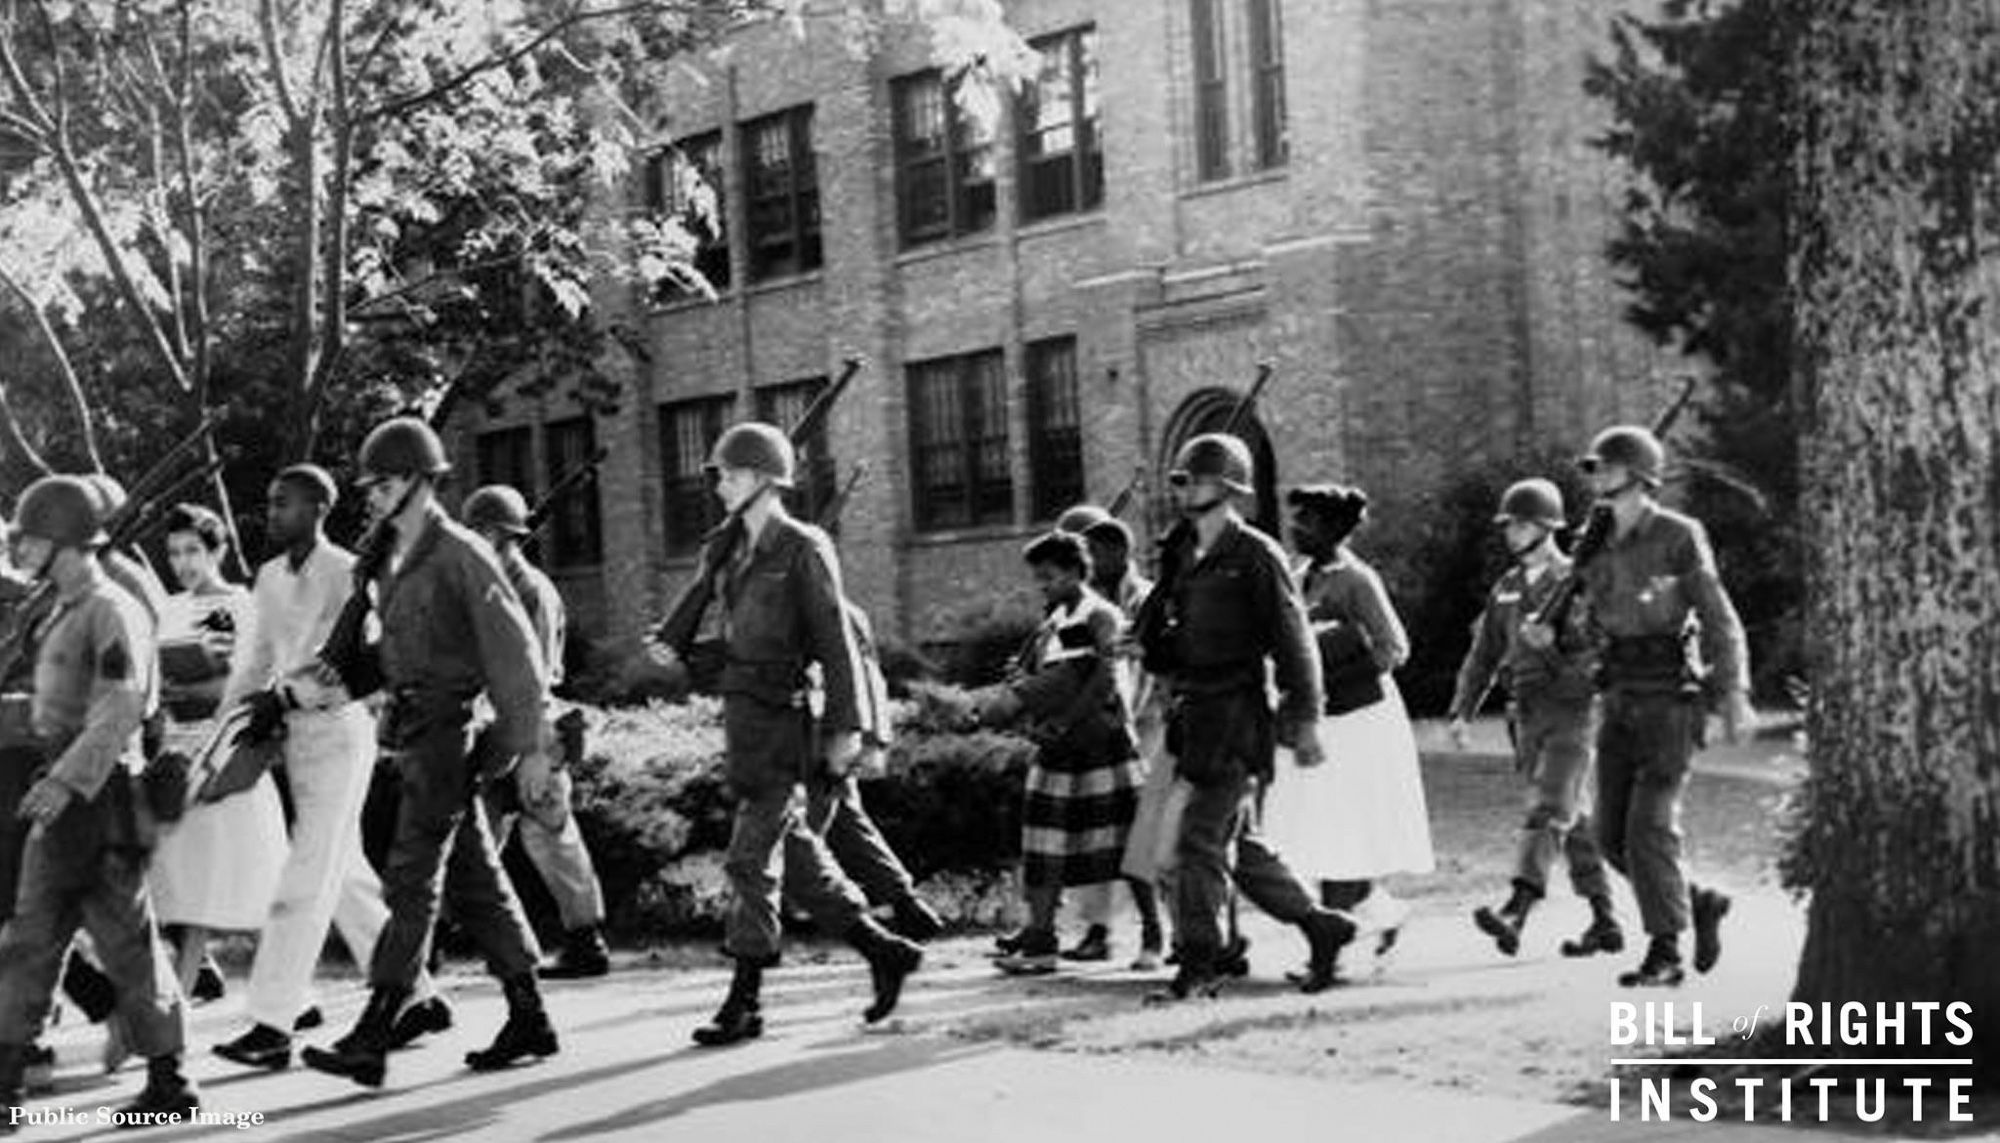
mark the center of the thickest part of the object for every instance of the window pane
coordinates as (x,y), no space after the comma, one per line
(687,431)
(574,530)
(1267,56)
(1055,440)
(1211,109)
(506,456)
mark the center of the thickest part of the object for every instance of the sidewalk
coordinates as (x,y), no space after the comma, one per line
(627,1072)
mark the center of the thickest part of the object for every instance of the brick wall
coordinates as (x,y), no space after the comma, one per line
(1425,272)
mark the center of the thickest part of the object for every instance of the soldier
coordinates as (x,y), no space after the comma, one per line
(1656,575)
(452,629)
(327,739)
(552,838)
(1550,715)
(785,609)
(86,852)
(1226,605)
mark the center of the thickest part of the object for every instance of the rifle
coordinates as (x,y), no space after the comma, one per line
(346,651)
(829,516)
(546,506)
(1156,623)
(1598,525)
(1123,500)
(155,491)
(678,630)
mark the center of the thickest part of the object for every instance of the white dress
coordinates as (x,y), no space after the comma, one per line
(1360,814)
(218,866)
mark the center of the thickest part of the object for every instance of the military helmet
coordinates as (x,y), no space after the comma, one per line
(1534,501)
(1081,518)
(1218,455)
(1634,448)
(402,446)
(758,447)
(496,507)
(65,510)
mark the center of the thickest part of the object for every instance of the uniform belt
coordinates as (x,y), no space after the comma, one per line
(1646,658)
(778,681)
(1220,679)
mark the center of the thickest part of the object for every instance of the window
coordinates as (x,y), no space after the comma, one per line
(958,432)
(1211,103)
(818,476)
(685,182)
(783,194)
(944,163)
(507,456)
(575,534)
(687,432)
(1062,156)
(1267,97)
(1055,433)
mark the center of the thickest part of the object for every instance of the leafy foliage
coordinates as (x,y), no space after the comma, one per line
(1698,97)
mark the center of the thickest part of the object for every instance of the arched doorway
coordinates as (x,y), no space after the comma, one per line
(1208,411)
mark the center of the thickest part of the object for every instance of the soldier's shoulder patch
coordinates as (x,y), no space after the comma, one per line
(114,662)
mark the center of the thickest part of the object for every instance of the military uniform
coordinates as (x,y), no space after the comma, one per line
(93,683)
(784,604)
(448,587)
(1645,590)
(1237,608)
(558,852)
(1551,715)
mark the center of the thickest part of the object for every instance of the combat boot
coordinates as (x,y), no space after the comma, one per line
(891,960)
(1328,933)
(1194,978)
(740,1017)
(1505,923)
(363,1054)
(1709,907)
(1234,959)
(167,1092)
(1604,934)
(583,955)
(527,1031)
(1660,969)
(419,1020)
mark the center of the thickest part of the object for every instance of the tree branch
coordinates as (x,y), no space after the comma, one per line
(333,333)
(367,305)
(196,222)
(72,387)
(55,64)
(10,432)
(17,80)
(577,17)
(267,26)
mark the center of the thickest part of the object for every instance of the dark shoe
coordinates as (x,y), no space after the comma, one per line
(309,1019)
(1036,955)
(363,1054)
(1710,906)
(526,1033)
(1328,933)
(583,955)
(1234,959)
(739,1017)
(1007,944)
(167,1092)
(915,920)
(261,1047)
(1095,945)
(891,960)
(1189,982)
(1603,936)
(1504,928)
(420,1019)
(1660,969)
(208,983)
(40,1056)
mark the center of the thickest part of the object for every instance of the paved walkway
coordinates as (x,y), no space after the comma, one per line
(627,1072)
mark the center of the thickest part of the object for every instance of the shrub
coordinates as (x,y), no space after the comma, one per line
(978,642)
(655,811)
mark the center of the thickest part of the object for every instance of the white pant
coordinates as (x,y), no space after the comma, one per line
(329,756)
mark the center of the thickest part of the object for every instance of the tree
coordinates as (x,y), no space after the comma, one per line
(249,187)
(1697,97)
(1894,280)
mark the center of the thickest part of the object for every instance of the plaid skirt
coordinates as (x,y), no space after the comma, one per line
(1076,821)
